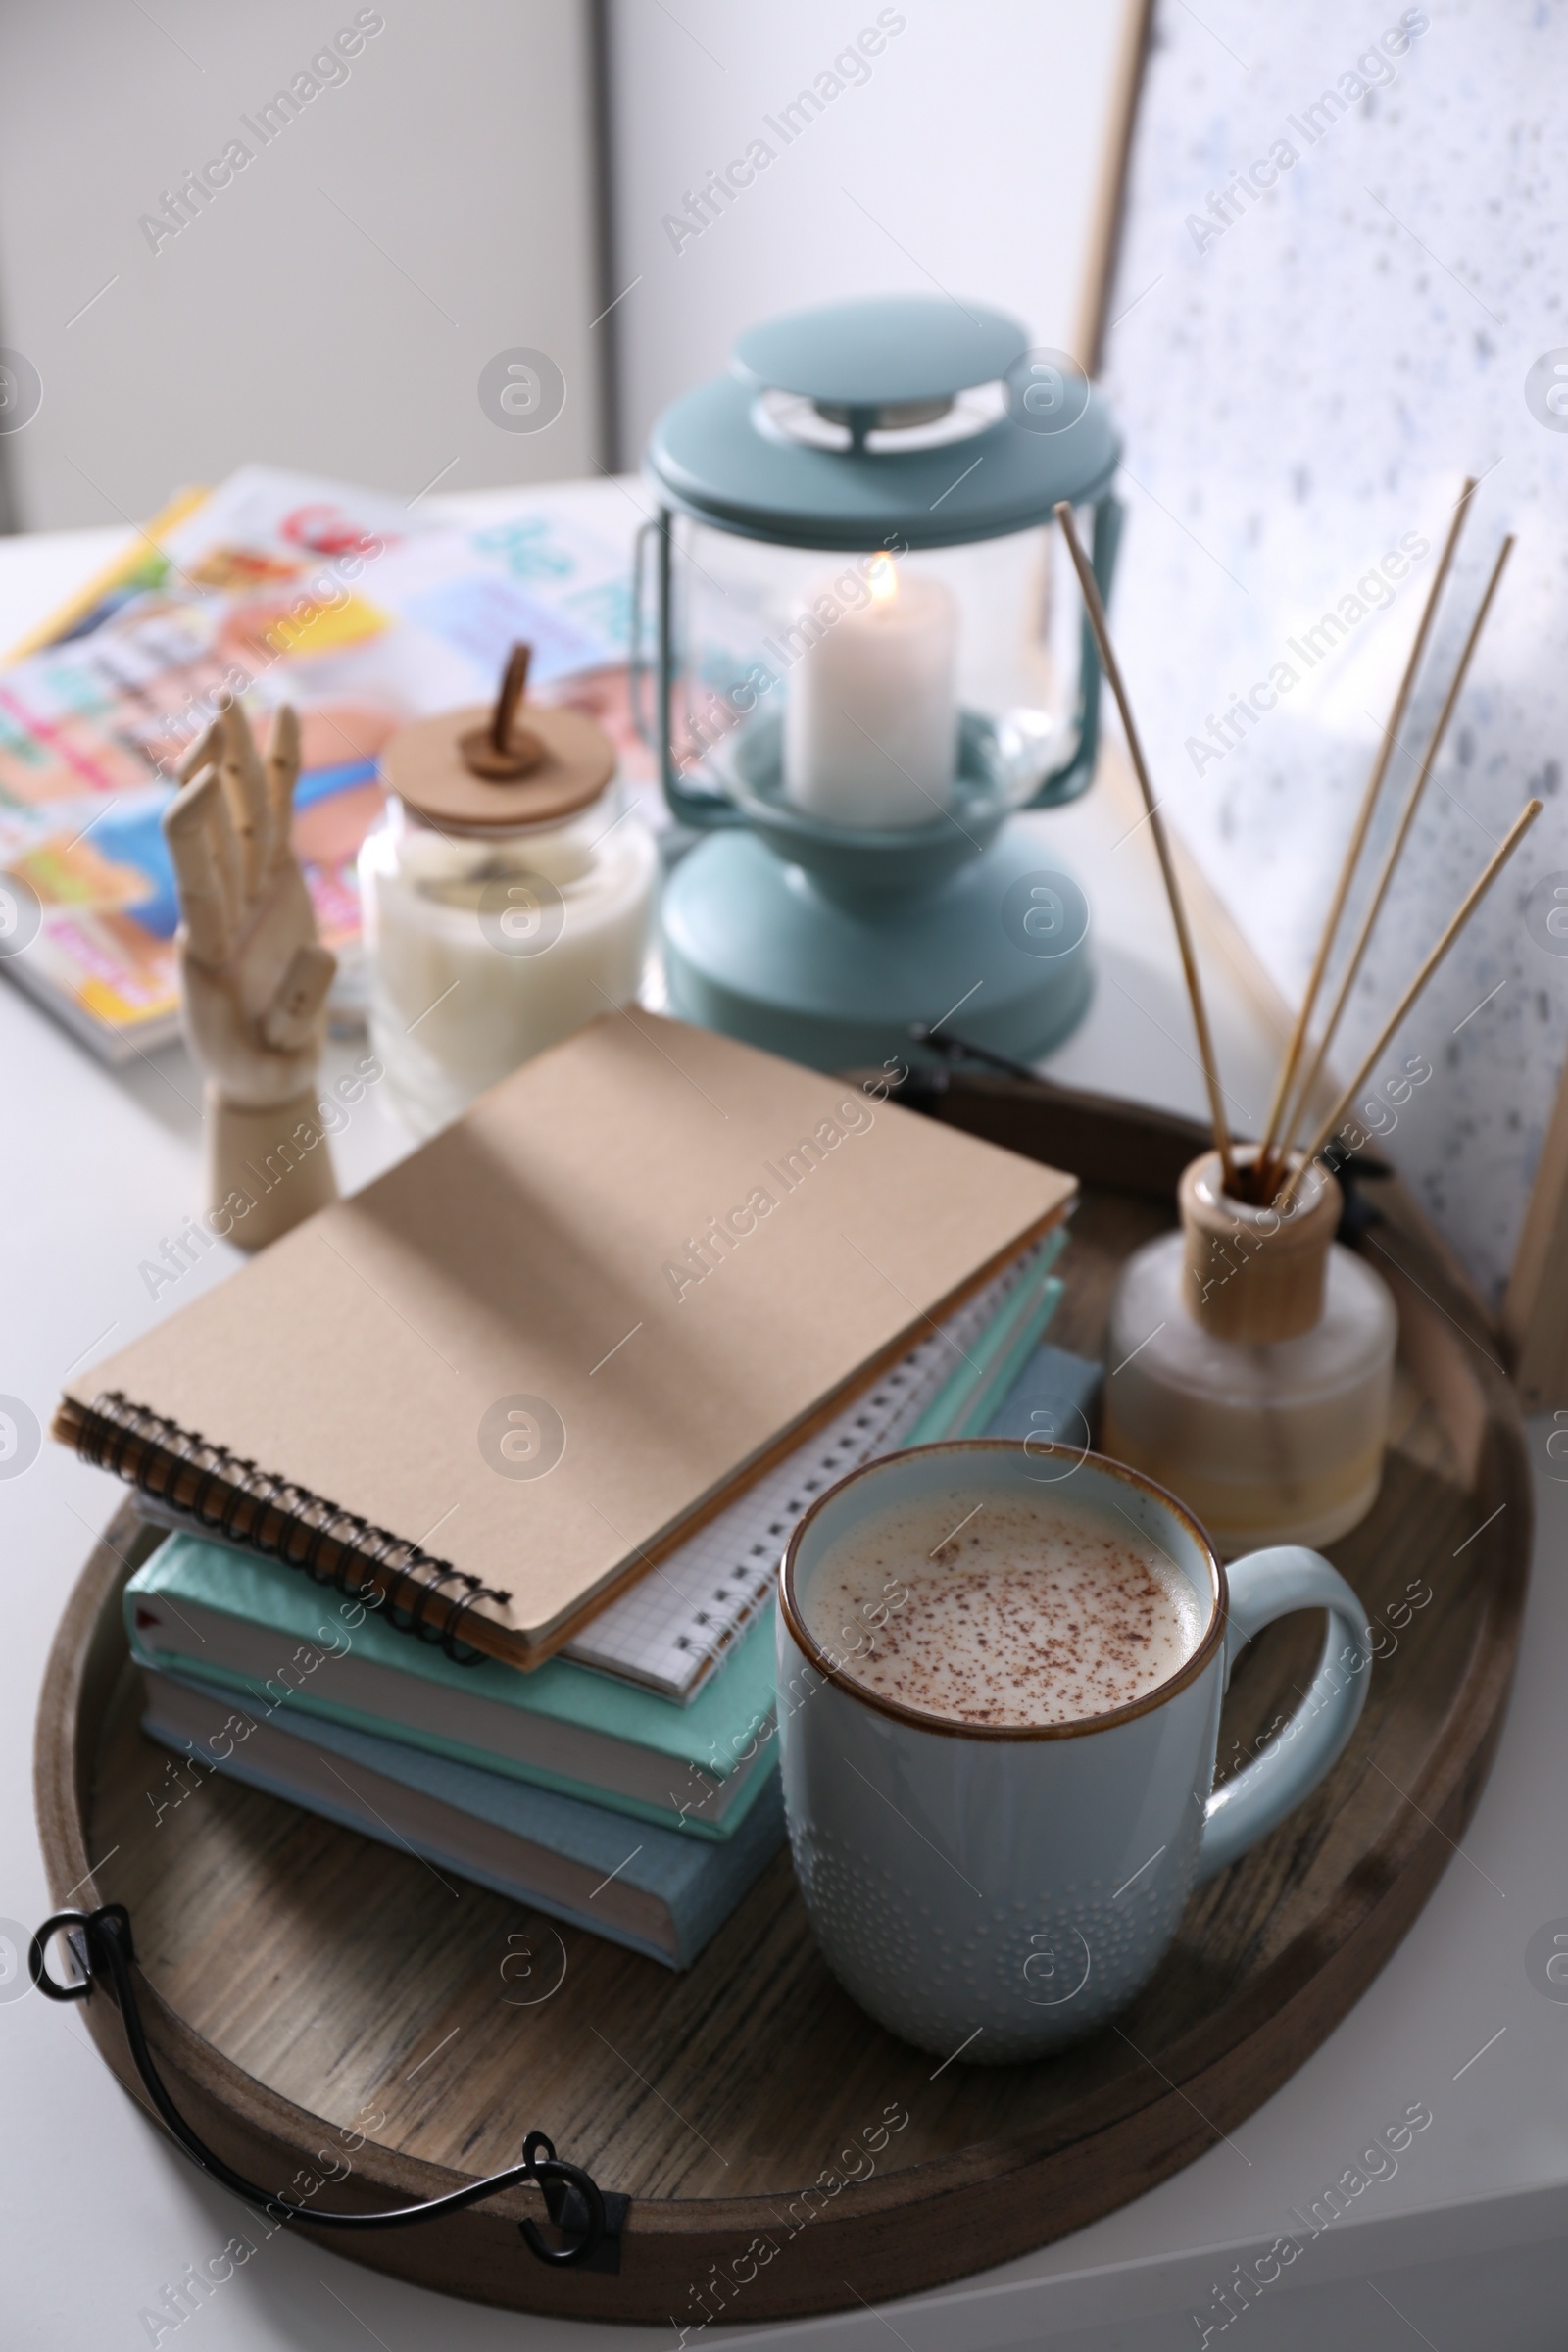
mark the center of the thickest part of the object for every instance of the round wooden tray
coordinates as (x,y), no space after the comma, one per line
(299,1980)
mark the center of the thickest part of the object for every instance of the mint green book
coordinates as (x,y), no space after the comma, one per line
(283,1644)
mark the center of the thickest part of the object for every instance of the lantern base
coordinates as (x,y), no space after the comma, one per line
(752,949)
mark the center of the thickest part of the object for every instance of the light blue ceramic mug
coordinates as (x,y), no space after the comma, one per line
(1005,1891)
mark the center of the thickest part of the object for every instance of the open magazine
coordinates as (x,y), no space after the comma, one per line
(274,588)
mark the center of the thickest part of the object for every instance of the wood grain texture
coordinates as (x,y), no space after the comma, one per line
(297,1976)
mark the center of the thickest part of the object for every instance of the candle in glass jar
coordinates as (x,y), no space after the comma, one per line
(871,716)
(483,951)
(505,896)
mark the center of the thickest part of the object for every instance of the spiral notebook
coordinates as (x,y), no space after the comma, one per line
(671,1630)
(504,1381)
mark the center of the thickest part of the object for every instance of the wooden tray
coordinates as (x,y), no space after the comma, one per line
(297,1977)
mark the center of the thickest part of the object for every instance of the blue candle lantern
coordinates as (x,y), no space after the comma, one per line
(869,662)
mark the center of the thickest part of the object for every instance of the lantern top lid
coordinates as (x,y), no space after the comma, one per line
(903,416)
(887,351)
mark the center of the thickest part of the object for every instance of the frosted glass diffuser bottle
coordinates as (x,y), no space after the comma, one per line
(1253,1359)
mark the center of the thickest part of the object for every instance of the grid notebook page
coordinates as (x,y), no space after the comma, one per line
(670,1628)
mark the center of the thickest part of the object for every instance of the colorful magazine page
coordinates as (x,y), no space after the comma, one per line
(263,528)
(91,734)
(141,564)
(552,577)
(265,525)
(276,587)
(541,578)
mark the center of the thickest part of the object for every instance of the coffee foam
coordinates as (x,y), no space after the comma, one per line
(1006,1611)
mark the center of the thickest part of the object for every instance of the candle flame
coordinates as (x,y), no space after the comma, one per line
(882,578)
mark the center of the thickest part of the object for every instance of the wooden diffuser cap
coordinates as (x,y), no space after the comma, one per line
(1252,1274)
(509,766)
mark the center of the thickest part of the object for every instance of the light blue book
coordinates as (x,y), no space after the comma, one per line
(283,1645)
(1053,1401)
(654,1889)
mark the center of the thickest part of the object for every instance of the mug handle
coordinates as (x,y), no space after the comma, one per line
(1263,1586)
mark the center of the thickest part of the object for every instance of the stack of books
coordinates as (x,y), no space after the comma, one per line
(578,1794)
(573,1701)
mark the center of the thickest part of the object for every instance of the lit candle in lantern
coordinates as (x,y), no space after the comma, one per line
(871,716)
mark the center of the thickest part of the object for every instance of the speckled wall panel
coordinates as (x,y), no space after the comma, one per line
(1306,360)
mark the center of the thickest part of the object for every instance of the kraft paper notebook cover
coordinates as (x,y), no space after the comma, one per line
(562,1329)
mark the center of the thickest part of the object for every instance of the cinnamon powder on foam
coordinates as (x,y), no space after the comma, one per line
(1014,1613)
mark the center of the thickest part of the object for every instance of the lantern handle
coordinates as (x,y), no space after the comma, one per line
(703,811)
(642,718)
(1077,771)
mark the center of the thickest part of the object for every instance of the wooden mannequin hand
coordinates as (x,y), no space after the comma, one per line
(253,974)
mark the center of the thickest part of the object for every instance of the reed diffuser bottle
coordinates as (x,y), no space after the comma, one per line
(1252,1360)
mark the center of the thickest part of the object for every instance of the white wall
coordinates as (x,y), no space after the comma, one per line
(333,306)
(968,161)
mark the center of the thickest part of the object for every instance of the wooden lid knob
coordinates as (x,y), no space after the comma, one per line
(487,769)
(1255,1274)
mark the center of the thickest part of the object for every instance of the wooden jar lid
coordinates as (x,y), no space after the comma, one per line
(1253,1274)
(503,768)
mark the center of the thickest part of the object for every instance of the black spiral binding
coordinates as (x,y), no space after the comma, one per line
(286,1522)
(588,2218)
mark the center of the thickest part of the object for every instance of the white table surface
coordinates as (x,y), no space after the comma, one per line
(98,2212)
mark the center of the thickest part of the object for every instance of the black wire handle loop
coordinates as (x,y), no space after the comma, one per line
(104,1939)
(553,2174)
